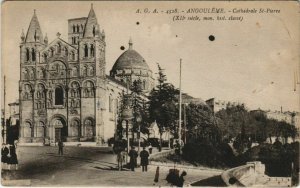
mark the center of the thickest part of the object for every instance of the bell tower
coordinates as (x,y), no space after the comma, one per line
(91,47)
(30,45)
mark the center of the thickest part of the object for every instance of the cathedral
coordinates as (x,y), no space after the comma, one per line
(64,91)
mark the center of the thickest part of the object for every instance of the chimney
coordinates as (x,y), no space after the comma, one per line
(281,109)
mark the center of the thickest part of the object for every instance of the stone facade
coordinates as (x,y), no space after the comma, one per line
(63,90)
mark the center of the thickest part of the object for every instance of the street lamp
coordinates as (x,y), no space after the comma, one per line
(126,117)
(138,121)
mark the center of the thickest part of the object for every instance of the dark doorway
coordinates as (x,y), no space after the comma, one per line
(61,130)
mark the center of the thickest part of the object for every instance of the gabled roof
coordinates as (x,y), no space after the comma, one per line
(91,26)
(34,32)
(55,41)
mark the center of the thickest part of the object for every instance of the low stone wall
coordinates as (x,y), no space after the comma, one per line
(253,173)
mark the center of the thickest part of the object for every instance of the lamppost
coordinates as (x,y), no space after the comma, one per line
(126,117)
(138,121)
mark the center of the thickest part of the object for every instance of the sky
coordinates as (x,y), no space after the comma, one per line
(251,61)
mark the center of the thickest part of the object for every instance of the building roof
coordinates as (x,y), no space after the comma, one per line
(34,32)
(130,59)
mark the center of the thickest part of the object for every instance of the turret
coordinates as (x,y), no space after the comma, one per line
(130,43)
(103,35)
(46,39)
(22,36)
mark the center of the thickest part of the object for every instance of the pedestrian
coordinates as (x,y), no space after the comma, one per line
(121,159)
(4,156)
(144,159)
(13,160)
(133,158)
(181,179)
(150,148)
(60,147)
(159,147)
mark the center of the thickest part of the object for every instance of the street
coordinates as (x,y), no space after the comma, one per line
(87,166)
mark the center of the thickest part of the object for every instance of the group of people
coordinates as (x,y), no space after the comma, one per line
(133,154)
(9,157)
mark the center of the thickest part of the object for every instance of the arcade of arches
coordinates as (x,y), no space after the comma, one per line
(57,129)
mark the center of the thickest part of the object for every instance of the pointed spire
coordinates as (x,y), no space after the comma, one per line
(22,36)
(91,27)
(130,43)
(34,33)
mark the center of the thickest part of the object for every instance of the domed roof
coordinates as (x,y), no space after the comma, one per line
(130,59)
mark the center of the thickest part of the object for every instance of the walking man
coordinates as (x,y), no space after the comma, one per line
(60,147)
(133,156)
(144,159)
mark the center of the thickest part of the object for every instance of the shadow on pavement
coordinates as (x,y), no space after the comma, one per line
(111,168)
(215,181)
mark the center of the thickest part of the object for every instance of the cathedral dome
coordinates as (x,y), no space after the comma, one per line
(130,59)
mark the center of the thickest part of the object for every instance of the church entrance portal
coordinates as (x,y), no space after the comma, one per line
(60,129)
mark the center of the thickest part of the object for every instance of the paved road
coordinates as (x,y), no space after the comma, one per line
(82,166)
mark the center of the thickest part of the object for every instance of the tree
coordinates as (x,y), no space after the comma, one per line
(139,107)
(162,104)
(200,122)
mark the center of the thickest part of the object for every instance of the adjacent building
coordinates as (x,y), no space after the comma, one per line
(217,105)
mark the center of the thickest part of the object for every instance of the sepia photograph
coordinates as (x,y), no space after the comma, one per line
(150,93)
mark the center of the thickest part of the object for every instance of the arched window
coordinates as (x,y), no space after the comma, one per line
(27,54)
(77,28)
(92,50)
(86,51)
(59,96)
(59,48)
(45,57)
(94,30)
(52,52)
(66,52)
(73,56)
(74,29)
(33,54)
